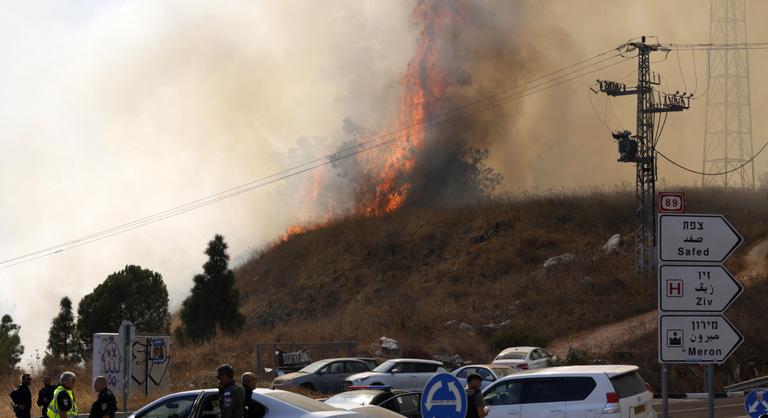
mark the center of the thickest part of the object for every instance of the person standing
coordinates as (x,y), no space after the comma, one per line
(45,395)
(21,398)
(231,395)
(252,408)
(475,402)
(105,405)
(63,404)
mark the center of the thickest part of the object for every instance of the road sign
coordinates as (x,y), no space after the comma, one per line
(696,338)
(696,238)
(756,403)
(687,288)
(444,397)
(671,202)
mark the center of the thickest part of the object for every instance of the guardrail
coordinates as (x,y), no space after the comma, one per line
(758,382)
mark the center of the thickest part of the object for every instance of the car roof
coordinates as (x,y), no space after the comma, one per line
(487,366)
(519,349)
(341,359)
(609,369)
(417,360)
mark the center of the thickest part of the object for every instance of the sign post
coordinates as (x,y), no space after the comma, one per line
(694,289)
(127,334)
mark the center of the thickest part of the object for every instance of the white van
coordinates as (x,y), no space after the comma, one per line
(571,391)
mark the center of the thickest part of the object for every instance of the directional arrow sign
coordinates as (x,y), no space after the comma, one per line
(696,338)
(702,238)
(686,288)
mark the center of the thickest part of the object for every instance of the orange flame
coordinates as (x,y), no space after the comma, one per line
(424,86)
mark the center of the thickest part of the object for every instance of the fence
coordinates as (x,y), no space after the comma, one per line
(296,354)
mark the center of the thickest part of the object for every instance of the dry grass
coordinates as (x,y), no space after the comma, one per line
(406,275)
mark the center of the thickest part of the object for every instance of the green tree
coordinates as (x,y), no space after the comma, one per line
(63,345)
(214,302)
(134,294)
(10,345)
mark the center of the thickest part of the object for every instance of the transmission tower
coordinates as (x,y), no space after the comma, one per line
(728,126)
(641,148)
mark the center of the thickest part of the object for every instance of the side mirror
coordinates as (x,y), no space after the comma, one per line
(489,379)
(395,371)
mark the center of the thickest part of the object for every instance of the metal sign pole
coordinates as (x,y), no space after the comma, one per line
(664,390)
(126,366)
(711,389)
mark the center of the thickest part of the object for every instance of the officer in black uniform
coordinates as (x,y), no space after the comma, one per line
(105,405)
(231,395)
(45,395)
(21,398)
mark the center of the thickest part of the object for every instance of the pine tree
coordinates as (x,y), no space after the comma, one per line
(214,302)
(135,294)
(10,345)
(63,345)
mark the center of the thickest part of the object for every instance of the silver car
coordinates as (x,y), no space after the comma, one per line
(325,376)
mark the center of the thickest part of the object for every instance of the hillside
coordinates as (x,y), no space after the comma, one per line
(416,275)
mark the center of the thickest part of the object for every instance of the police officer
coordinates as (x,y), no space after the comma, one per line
(105,404)
(231,395)
(45,395)
(21,398)
(63,404)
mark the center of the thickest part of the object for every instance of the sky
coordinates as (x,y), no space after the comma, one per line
(115,110)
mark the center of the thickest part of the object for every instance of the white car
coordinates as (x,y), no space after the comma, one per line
(571,391)
(525,358)
(400,374)
(489,372)
(204,403)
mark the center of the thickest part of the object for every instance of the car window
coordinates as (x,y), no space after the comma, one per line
(505,393)
(407,404)
(404,367)
(335,368)
(543,391)
(578,388)
(545,354)
(356,367)
(513,355)
(484,373)
(424,367)
(178,406)
(386,367)
(628,384)
(210,407)
(535,355)
(465,372)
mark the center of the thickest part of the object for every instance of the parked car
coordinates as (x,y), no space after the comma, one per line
(525,358)
(204,403)
(371,362)
(403,402)
(402,374)
(322,376)
(489,372)
(614,391)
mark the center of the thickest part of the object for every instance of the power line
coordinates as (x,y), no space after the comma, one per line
(528,88)
(713,174)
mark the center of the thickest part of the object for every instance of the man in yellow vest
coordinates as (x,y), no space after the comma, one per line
(63,404)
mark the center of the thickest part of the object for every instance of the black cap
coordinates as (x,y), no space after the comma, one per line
(225,369)
(474,376)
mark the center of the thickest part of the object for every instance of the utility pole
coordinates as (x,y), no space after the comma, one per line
(641,147)
(728,126)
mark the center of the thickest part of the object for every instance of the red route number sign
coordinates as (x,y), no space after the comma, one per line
(671,202)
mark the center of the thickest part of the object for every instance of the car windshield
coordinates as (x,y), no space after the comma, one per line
(502,371)
(384,367)
(299,401)
(314,366)
(350,398)
(513,355)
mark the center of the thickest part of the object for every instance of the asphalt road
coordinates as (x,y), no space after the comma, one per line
(697,408)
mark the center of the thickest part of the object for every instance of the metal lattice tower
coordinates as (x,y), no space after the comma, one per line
(728,126)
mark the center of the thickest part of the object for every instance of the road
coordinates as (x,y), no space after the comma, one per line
(697,408)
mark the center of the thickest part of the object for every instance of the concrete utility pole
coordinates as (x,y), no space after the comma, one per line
(641,148)
(728,126)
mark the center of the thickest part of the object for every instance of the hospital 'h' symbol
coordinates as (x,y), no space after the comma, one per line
(674,288)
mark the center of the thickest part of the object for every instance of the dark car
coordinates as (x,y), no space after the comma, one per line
(325,376)
(403,402)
